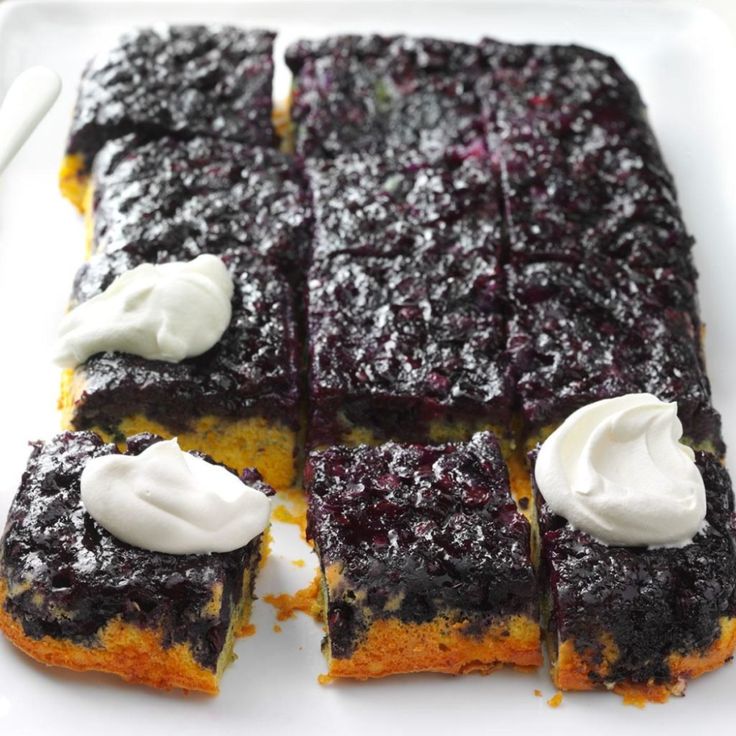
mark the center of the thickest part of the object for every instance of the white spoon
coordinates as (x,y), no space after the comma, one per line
(28,99)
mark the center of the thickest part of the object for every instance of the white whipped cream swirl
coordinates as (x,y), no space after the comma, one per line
(167,500)
(170,312)
(617,470)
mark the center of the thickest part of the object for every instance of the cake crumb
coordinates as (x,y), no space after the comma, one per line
(640,695)
(538,693)
(247,630)
(298,563)
(295,512)
(636,699)
(305,600)
(555,701)
(266,545)
(325,679)
(277,628)
(281,513)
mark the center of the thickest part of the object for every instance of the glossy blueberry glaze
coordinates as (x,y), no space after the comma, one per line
(204,195)
(68,577)
(405,298)
(386,93)
(582,174)
(556,89)
(252,370)
(397,343)
(578,334)
(651,602)
(184,80)
(433,529)
(373,205)
(601,283)
(578,200)
(598,295)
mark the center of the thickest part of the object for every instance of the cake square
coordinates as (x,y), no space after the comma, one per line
(425,559)
(184,80)
(203,195)
(590,199)
(406,310)
(578,334)
(238,402)
(410,348)
(637,620)
(375,94)
(581,169)
(72,594)
(557,90)
(374,205)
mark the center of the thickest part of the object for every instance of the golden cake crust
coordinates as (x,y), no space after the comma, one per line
(73,179)
(135,654)
(393,647)
(572,671)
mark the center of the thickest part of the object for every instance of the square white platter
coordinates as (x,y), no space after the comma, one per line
(684,61)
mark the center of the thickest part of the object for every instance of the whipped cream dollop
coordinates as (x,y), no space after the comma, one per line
(617,470)
(169,311)
(167,500)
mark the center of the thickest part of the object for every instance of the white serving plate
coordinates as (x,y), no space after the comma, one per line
(683,60)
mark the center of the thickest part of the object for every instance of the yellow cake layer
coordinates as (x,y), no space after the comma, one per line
(252,442)
(136,654)
(571,670)
(283,124)
(393,647)
(73,179)
(439,431)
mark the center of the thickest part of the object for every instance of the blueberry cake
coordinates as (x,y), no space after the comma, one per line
(181,80)
(404,297)
(203,195)
(583,332)
(374,94)
(574,200)
(73,595)
(409,347)
(469,238)
(582,183)
(600,277)
(641,621)
(377,205)
(556,89)
(425,560)
(582,174)
(238,402)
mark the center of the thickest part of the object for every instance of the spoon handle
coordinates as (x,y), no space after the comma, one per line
(28,99)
